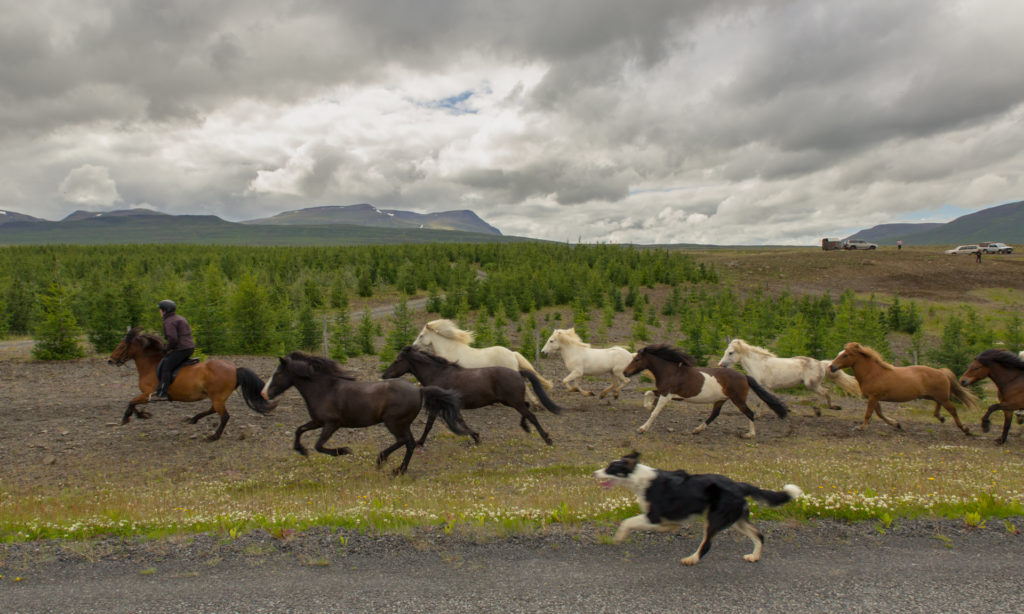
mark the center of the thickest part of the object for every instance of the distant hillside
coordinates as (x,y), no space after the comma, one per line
(1001,223)
(8,217)
(209,229)
(86,215)
(368,215)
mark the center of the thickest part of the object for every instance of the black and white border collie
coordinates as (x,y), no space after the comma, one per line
(667,498)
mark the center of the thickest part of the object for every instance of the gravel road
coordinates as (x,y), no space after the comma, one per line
(917,566)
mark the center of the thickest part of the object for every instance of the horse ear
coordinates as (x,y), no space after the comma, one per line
(302,369)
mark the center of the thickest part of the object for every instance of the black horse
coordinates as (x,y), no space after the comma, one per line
(477,386)
(335,400)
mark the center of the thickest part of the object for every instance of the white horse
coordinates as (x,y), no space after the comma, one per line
(444,339)
(581,359)
(774,372)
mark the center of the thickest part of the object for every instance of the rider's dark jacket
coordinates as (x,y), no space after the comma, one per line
(178,333)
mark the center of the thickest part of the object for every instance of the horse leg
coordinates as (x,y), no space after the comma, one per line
(1007,421)
(574,375)
(715,410)
(223,411)
(325,434)
(936,414)
(750,434)
(309,426)
(142,399)
(426,429)
(822,392)
(662,401)
(956,418)
(400,440)
(526,414)
(196,418)
(878,410)
(410,445)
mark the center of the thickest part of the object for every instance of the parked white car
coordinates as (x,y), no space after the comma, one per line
(998,248)
(964,249)
(859,244)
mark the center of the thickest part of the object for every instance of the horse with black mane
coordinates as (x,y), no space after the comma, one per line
(1006,370)
(212,379)
(336,400)
(477,387)
(677,373)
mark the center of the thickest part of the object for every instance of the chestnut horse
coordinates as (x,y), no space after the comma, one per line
(881,381)
(1006,370)
(212,379)
(676,373)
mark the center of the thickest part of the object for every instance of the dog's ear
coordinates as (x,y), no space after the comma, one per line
(633,455)
(630,459)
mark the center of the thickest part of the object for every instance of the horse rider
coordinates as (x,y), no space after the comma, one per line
(180,346)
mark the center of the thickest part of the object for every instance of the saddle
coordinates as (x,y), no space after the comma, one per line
(188,363)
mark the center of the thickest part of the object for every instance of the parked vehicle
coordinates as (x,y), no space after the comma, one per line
(831,244)
(998,248)
(964,249)
(859,244)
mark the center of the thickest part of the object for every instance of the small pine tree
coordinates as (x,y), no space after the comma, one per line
(308,330)
(402,331)
(1013,334)
(343,342)
(56,332)
(367,332)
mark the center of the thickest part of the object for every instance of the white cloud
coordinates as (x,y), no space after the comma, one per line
(89,185)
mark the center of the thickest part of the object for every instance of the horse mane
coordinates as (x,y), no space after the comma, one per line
(1002,357)
(753,348)
(148,341)
(323,365)
(867,352)
(665,351)
(572,336)
(440,360)
(446,328)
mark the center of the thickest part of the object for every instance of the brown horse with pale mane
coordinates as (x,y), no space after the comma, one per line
(211,379)
(1006,370)
(881,381)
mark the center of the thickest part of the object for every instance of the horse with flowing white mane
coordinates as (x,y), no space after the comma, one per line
(581,359)
(444,339)
(774,372)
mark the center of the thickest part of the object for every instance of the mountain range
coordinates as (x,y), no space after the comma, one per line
(1003,223)
(333,225)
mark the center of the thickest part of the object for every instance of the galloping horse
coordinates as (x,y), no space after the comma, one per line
(773,372)
(1006,370)
(477,386)
(335,400)
(213,379)
(676,373)
(444,339)
(881,381)
(582,360)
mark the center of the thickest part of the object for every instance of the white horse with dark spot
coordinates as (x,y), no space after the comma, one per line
(773,372)
(581,359)
(442,338)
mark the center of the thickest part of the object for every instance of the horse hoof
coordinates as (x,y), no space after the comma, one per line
(859,427)
(641,430)
(899,427)
(967,431)
(145,415)
(125,420)
(985,426)
(835,407)
(942,419)
(212,437)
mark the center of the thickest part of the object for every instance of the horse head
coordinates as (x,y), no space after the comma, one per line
(849,355)
(400,365)
(553,344)
(975,372)
(732,353)
(134,343)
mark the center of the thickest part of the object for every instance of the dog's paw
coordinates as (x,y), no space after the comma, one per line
(691,560)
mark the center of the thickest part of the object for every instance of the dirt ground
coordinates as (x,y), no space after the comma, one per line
(62,418)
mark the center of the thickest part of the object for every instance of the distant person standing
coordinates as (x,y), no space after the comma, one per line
(977,256)
(180,346)
(899,245)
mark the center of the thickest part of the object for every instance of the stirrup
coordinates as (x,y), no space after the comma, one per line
(155,397)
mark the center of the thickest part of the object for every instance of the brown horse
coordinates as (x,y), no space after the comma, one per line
(477,386)
(676,373)
(881,381)
(336,400)
(1006,370)
(212,379)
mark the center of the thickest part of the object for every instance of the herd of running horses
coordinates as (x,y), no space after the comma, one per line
(455,376)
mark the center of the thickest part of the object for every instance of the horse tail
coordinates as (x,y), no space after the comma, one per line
(772,401)
(842,379)
(252,386)
(525,364)
(447,404)
(962,394)
(538,388)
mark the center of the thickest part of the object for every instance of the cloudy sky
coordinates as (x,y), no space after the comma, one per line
(595,120)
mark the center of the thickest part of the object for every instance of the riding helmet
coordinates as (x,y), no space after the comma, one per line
(167,305)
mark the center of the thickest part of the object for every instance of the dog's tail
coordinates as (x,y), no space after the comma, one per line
(773,497)
(538,389)
(770,400)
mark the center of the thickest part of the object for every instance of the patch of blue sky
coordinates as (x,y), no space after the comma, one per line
(457,104)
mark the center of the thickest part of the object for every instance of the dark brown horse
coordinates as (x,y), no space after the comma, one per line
(478,386)
(1006,370)
(881,381)
(335,400)
(677,373)
(210,379)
